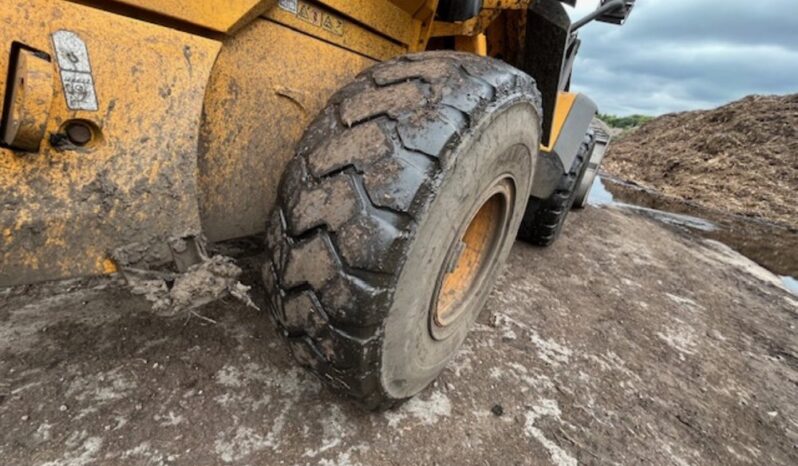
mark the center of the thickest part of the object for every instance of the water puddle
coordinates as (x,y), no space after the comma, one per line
(771,245)
(791,283)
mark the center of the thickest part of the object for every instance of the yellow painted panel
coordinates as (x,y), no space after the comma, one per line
(222,16)
(410,6)
(66,208)
(335,28)
(565,101)
(258,104)
(470,27)
(477,44)
(380,15)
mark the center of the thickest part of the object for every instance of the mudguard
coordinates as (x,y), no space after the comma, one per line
(546,40)
(572,119)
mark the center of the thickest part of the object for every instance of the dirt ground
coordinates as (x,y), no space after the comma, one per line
(624,343)
(741,158)
(772,245)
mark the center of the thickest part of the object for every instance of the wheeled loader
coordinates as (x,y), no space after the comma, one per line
(389,151)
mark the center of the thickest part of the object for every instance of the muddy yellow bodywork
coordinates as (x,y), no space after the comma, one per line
(565,102)
(142,121)
(259,101)
(66,209)
(220,16)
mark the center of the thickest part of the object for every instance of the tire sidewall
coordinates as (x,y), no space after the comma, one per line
(504,143)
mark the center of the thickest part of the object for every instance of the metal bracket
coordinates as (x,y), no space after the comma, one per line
(28,98)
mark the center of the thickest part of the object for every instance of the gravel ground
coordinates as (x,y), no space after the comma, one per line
(623,343)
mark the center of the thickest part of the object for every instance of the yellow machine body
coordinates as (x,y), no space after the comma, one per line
(65,208)
(128,125)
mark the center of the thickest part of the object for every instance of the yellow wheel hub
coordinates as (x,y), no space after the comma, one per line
(472,254)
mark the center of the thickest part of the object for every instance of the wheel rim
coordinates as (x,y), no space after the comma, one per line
(471,256)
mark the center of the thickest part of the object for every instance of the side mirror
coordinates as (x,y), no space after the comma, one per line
(616,15)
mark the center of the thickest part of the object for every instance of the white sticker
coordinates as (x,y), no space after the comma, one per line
(73,62)
(289,5)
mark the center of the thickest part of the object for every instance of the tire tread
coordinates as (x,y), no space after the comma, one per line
(344,260)
(544,219)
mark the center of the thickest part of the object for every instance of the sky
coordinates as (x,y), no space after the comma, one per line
(676,55)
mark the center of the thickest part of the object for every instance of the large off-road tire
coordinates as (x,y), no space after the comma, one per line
(544,218)
(395,216)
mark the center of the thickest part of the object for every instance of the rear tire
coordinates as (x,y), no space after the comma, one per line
(544,218)
(377,212)
(602,137)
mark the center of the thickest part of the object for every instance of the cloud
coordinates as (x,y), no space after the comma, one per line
(675,55)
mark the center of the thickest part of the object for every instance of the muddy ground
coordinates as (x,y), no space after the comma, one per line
(624,343)
(770,244)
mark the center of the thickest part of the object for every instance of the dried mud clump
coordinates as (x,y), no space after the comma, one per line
(741,158)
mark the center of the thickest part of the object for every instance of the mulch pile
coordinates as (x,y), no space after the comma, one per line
(741,158)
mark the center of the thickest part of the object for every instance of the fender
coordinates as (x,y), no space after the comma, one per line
(547,39)
(571,122)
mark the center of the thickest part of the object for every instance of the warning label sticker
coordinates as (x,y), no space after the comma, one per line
(76,77)
(314,16)
(288,5)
